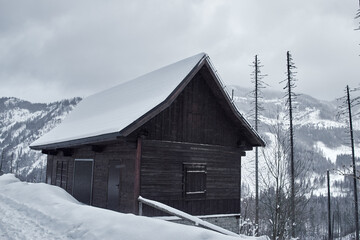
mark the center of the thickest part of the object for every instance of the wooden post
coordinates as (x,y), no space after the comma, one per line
(240,189)
(140,208)
(137,174)
(329,207)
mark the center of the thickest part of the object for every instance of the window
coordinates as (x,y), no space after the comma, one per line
(194,180)
(61,174)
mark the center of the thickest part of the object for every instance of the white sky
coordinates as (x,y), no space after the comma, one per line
(50,50)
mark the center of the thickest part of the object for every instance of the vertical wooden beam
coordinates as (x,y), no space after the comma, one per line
(49,166)
(140,208)
(137,174)
(240,189)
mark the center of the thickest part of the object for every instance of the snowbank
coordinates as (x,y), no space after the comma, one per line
(41,211)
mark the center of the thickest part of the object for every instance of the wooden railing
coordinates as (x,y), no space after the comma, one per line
(175,212)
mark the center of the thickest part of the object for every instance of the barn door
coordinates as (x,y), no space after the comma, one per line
(114,185)
(83,176)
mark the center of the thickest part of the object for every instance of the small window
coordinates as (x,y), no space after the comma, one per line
(194,180)
(61,174)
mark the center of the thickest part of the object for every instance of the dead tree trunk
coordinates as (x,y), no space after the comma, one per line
(257,96)
(353,165)
(329,207)
(292,168)
(256,149)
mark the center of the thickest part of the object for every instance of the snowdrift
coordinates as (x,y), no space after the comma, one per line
(42,211)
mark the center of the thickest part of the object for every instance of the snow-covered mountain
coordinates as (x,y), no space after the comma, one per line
(315,121)
(321,138)
(321,143)
(21,122)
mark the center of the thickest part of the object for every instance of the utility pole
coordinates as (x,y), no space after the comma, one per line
(329,207)
(353,165)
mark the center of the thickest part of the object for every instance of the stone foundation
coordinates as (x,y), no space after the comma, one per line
(226,221)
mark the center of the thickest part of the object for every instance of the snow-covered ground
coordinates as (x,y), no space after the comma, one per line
(41,211)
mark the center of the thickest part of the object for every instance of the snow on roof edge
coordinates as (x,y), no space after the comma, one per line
(41,143)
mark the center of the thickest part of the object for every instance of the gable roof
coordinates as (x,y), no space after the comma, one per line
(121,109)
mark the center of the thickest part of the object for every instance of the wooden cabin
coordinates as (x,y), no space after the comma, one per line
(172,135)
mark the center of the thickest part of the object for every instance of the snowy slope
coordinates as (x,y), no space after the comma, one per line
(41,211)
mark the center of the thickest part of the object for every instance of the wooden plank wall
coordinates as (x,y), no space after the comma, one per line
(120,151)
(195,116)
(162,175)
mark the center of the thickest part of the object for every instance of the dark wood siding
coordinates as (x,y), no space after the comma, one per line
(195,116)
(49,167)
(123,152)
(162,176)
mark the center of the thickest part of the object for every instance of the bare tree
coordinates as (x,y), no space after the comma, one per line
(346,110)
(257,77)
(276,186)
(290,95)
(275,180)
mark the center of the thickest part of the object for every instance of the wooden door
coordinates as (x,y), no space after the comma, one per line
(114,185)
(83,177)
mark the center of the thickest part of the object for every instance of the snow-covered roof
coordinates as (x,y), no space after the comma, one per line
(111,112)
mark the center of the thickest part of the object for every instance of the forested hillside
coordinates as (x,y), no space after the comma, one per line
(322,143)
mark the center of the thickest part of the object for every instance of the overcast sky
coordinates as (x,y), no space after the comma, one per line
(50,50)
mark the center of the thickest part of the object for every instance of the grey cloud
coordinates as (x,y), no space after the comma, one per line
(59,49)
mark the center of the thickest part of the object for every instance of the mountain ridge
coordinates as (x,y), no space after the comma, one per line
(21,122)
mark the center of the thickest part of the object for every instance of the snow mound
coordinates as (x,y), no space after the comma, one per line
(42,211)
